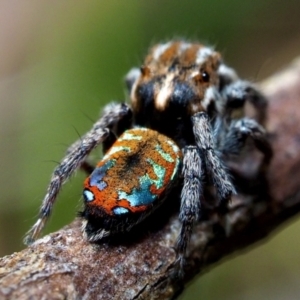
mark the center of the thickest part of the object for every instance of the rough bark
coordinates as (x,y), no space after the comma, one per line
(63,265)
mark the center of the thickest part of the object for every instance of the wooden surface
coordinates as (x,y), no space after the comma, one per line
(63,265)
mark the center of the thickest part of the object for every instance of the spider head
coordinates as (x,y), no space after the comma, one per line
(176,80)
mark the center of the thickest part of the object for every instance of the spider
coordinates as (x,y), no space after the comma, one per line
(180,125)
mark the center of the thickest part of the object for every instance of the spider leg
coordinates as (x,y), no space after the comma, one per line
(239,131)
(75,158)
(86,166)
(190,199)
(205,142)
(238,92)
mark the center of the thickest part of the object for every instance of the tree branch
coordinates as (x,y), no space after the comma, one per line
(140,265)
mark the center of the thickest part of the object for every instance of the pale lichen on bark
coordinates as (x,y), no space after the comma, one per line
(63,265)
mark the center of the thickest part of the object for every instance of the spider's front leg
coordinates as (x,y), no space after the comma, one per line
(238,133)
(76,156)
(231,135)
(192,184)
(237,93)
(190,199)
(214,166)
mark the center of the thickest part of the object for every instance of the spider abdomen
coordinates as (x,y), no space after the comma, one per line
(133,176)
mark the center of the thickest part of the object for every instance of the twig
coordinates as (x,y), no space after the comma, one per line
(63,265)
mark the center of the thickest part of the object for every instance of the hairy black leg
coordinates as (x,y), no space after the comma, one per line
(240,91)
(239,131)
(190,199)
(215,168)
(75,157)
(115,129)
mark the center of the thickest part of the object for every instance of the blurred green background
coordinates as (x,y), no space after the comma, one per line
(61,61)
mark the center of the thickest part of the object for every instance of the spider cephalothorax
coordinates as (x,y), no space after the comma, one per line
(177,80)
(179,124)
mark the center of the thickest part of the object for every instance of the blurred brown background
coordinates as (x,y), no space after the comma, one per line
(61,61)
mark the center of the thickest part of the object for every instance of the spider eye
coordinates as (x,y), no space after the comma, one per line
(205,76)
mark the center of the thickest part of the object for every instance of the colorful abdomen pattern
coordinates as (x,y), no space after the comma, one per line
(134,174)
